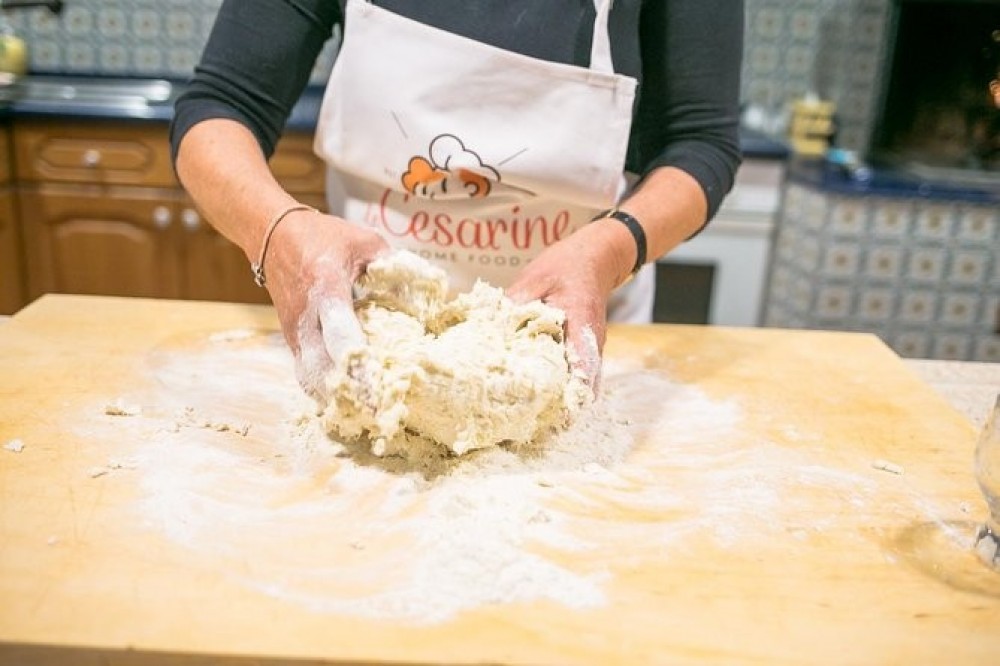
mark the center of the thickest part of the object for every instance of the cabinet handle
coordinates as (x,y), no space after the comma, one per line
(91,158)
(190,219)
(161,217)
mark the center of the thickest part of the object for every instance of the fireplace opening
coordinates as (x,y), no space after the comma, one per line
(939,113)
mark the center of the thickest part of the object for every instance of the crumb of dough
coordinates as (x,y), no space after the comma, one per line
(112,465)
(191,419)
(464,373)
(121,408)
(14,446)
(886,466)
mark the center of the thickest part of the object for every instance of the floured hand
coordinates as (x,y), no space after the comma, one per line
(577,275)
(463,373)
(314,260)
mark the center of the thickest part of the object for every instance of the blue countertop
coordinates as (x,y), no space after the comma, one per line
(68,97)
(892,181)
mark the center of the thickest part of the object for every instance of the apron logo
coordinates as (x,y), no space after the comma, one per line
(452,172)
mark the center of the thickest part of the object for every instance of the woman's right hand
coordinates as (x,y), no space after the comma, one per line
(312,262)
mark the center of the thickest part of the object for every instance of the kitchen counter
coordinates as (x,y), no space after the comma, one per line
(971,388)
(153,99)
(892,181)
(104,98)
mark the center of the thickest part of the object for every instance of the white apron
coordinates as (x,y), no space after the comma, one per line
(474,157)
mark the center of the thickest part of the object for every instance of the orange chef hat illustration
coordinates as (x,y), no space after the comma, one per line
(453,171)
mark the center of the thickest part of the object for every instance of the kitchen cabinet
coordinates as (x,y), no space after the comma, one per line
(93,240)
(102,213)
(11,281)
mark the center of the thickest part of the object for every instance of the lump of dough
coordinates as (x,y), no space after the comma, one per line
(462,373)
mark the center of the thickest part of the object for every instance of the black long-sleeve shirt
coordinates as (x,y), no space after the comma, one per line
(684,53)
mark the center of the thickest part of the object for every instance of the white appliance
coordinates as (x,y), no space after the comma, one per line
(736,246)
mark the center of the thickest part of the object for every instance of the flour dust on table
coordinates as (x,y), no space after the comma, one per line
(228,457)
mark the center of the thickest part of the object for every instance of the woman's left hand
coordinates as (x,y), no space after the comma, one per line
(577,275)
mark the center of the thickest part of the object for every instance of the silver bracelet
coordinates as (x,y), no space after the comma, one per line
(258,268)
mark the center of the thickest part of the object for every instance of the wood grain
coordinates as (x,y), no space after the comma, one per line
(828,582)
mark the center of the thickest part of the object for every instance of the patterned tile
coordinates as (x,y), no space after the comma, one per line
(911,344)
(952,347)
(841,260)
(833,302)
(960,310)
(884,263)
(91,36)
(923,276)
(926,265)
(891,219)
(987,349)
(146,24)
(968,267)
(918,307)
(934,222)
(848,217)
(977,225)
(877,305)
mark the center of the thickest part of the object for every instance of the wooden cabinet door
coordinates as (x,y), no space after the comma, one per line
(6,158)
(214,268)
(297,168)
(11,277)
(97,240)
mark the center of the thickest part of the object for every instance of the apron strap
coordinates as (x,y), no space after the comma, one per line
(600,49)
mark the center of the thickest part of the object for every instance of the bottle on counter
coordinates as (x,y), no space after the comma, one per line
(13,51)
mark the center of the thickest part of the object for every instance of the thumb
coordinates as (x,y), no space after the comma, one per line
(340,327)
(584,349)
(327,329)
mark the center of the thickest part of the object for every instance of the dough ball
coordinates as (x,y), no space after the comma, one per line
(463,373)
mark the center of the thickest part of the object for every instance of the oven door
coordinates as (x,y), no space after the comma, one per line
(719,276)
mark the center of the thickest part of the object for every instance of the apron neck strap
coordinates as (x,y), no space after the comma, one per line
(600,49)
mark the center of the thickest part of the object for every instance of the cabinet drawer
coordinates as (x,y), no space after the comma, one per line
(99,153)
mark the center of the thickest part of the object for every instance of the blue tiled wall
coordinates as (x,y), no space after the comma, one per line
(831,47)
(158,38)
(922,275)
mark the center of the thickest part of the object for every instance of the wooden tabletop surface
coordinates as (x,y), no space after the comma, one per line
(757,496)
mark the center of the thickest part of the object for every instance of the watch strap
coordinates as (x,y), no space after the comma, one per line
(635,228)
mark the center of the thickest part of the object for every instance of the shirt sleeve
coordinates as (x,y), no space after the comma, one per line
(255,65)
(687,114)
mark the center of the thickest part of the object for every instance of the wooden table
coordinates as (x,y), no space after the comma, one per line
(772,497)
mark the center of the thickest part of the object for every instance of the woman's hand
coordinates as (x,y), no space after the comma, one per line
(577,275)
(312,262)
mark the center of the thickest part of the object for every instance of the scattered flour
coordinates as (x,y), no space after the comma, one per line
(337,529)
(232,335)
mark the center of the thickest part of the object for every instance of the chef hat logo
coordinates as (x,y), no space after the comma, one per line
(453,171)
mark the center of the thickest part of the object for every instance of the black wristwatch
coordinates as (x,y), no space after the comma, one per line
(638,234)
